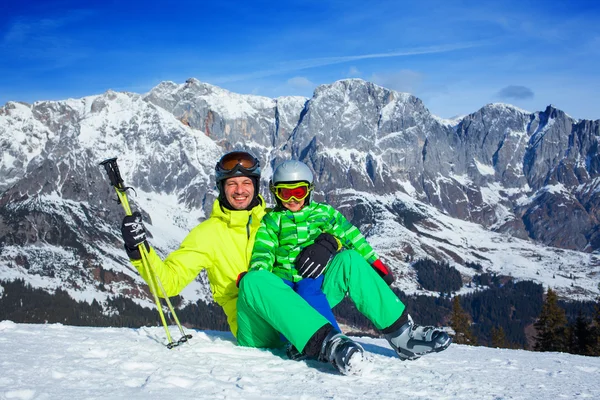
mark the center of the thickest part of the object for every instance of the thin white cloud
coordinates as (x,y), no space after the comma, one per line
(300,82)
(298,65)
(22,30)
(45,41)
(353,72)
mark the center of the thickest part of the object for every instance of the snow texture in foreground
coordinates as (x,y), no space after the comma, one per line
(63,362)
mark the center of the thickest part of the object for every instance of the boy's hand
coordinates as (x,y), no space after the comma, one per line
(311,262)
(239,278)
(384,271)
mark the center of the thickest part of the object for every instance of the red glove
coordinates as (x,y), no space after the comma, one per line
(384,271)
(239,278)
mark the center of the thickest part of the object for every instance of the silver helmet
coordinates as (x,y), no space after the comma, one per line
(292,171)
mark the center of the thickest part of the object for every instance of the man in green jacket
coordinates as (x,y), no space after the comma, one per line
(265,308)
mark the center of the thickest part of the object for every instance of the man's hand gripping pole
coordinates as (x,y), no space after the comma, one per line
(114,175)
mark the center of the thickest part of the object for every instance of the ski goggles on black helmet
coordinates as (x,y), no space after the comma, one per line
(237,163)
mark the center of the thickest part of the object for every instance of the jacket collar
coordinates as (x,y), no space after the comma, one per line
(301,215)
(235,218)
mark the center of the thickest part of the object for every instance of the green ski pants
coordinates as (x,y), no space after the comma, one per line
(267,307)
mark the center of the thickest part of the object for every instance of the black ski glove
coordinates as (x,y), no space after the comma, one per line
(384,272)
(311,262)
(134,234)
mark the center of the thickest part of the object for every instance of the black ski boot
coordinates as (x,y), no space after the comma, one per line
(345,354)
(293,354)
(412,341)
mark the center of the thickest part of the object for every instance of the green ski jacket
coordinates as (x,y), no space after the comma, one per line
(283,234)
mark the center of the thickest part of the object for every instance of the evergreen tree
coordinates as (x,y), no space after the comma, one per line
(551,326)
(595,339)
(438,277)
(460,321)
(580,336)
(499,338)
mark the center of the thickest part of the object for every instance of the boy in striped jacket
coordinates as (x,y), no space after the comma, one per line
(296,223)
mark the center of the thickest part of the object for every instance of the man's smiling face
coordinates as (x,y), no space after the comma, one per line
(239,192)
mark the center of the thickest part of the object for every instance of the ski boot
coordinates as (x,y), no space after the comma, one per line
(293,354)
(412,341)
(345,354)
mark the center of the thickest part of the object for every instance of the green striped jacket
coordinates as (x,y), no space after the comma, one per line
(283,234)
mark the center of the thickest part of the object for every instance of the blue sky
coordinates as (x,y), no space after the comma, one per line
(456,56)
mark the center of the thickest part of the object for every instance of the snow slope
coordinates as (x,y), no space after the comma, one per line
(63,362)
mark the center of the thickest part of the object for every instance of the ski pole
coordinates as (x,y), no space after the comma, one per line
(158,284)
(114,175)
(184,337)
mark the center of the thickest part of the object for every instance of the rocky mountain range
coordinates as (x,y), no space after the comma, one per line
(517,192)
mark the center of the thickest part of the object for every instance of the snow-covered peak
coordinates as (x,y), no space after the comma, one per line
(450,122)
(505,108)
(227,104)
(554,112)
(292,99)
(164,88)
(353,103)
(344,87)
(15,110)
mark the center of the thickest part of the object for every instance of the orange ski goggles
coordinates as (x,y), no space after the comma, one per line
(237,160)
(291,191)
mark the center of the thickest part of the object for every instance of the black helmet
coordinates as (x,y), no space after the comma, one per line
(237,163)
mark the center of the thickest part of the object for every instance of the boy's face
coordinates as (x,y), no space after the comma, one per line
(294,205)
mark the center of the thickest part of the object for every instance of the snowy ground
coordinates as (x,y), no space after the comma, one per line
(63,362)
